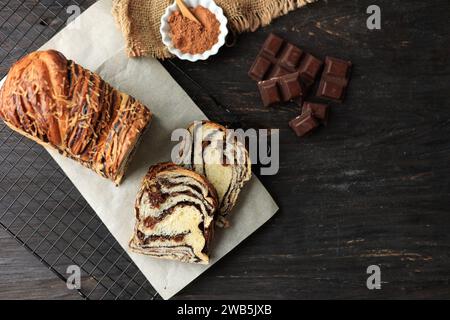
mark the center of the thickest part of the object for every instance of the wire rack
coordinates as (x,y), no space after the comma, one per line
(39,206)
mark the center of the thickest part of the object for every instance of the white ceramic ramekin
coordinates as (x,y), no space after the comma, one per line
(165,29)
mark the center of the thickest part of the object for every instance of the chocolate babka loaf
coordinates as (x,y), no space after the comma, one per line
(58,103)
(175,215)
(226,165)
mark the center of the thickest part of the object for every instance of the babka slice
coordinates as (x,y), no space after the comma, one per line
(175,215)
(222,159)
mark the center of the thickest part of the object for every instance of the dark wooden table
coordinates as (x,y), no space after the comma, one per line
(373,188)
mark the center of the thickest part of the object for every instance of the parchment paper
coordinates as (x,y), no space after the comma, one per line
(98,45)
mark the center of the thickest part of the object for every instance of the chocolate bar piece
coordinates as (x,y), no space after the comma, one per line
(270,92)
(319,111)
(292,86)
(304,124)
(279,57)
(335,79)
(282,89)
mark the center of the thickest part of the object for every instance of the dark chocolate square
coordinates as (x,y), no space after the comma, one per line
(310,68)
(319,111)
(335,78)
(290,56)
(260,68)
(269,92)
(277,71)
(304,124)
(337,68)
(273,45)
(331,90)
(291,86)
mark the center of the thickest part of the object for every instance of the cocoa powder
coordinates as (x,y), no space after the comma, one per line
(190,37)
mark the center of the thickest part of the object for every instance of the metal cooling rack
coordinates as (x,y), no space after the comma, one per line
(39,206)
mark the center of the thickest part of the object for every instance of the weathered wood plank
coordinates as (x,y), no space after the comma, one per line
(22,276)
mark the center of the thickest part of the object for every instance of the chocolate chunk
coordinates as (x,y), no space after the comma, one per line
(277,71)
(304,124)
(319,111)
(279,57)
(309,68)
(269,91)
(272,45)
(291,56)
(282,89)
(291,86)
(331,90)
(337,68)
(335,79)
(260,68)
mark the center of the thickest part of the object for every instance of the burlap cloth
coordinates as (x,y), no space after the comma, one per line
(139,20)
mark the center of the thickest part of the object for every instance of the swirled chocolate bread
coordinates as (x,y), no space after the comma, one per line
(223,160)
(58,103)
(175,215)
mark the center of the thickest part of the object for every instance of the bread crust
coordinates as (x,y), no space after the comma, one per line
(59,104)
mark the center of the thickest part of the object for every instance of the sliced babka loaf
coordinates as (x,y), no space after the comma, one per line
(59,104)
(175,215)
(222,159)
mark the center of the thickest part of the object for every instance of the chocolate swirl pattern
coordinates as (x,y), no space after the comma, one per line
(58,103)
(175,215)
(223,160)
